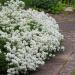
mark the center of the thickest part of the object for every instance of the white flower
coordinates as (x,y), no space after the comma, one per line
(62,48)
(30,36)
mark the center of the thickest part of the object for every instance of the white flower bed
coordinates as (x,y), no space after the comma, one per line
(30,36)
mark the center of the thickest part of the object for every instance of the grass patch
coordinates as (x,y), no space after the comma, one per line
(73,72)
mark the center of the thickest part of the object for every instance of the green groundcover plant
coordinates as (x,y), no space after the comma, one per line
(27,38)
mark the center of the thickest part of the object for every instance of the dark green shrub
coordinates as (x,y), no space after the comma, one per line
(45,4)
(54,6)
(27,3)
(59,7)
(2,1)
(3,62)
(69,2)
(73,3)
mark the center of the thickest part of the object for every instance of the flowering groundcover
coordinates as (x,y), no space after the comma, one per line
(27,38)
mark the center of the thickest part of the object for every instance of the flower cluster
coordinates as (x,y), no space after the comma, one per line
(31,36)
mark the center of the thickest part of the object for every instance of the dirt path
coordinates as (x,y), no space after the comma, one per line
(63,63)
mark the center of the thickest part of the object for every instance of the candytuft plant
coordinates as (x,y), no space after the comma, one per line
(28,38)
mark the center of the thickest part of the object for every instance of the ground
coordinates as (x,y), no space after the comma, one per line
(63,63)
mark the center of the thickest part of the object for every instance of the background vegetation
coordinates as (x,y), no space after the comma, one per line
(52,6)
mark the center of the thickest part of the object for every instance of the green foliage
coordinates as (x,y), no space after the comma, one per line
(73,4)
(2,43)
(45,4)
(53,6)
(69,2)
(3,63)
(27,3)
(73,1)
(74,7)
(2,1)
(57,8)
(73,72)
(34,25)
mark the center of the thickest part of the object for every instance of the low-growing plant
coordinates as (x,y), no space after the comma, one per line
(27,38)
